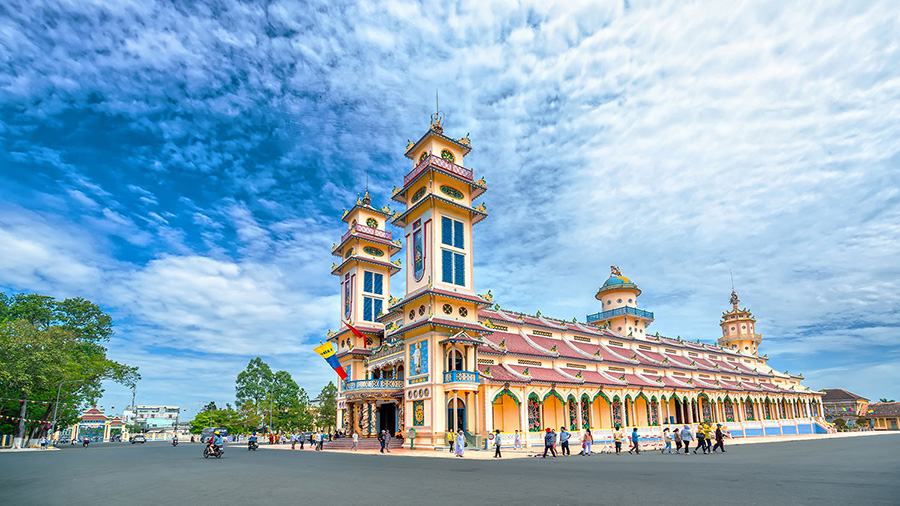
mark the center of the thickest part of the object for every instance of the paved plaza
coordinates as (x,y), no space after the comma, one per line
(820,472)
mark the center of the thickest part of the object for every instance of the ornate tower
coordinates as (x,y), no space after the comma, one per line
(738,328)
(618,300)
(365,271)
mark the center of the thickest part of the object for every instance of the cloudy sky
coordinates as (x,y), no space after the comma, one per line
(185,164)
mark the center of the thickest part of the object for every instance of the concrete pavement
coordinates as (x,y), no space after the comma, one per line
(818,472)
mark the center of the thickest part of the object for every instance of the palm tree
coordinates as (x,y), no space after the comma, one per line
(885,399)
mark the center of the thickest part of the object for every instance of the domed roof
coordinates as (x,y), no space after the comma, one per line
(617,280)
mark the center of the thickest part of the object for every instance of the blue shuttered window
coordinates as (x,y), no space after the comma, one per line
(367,309)
(378,279)
(452,232)
(447,266)
(377,308)
(367,282)
(453,268)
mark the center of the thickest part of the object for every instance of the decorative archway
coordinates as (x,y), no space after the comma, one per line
(585,411)
(616,406)
(653,414)
(641,410)
(748,410)
(601,410)
(703,408)
(534,413)
(572,410)
(728,408)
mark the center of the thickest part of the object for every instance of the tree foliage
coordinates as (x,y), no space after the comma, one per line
(47,344)
(272,399)
(327,412)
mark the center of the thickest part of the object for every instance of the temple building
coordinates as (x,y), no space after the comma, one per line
(442,357)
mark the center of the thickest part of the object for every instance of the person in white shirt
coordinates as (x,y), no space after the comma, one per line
(517,441)
(355,446)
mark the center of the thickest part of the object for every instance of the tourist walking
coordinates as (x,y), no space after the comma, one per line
(450,439)
(720,439)
(635,442)
(667,439)
(549,441)
(355,446)
(387,441)
(460,443)
(686,438)
(293,441)
(586,442)
(43,443)
(564,442)
(321,440)
(676,435)
(701,444)
(708,433)
(497,444)
(517,440)
(618,436)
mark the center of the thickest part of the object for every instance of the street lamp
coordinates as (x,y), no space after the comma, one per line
(56,406)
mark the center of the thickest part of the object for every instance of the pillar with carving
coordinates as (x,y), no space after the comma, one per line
(400,416)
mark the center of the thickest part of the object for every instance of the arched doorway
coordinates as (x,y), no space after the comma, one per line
(641,411)
(456,360)
(572,411)
(617,418)
(554,411)
(506,412)
(456,414)
(600,411)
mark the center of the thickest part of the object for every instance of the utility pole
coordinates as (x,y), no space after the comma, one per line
(56,406)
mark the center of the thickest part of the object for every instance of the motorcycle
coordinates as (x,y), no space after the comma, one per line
(252,445)
(174,443)
(209,451)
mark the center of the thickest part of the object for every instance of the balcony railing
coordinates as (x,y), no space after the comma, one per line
(374,384)
(605,315)
(442,164)
(362,229)
(460,377)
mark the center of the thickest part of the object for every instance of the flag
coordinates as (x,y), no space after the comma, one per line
(327,352)
(357,333)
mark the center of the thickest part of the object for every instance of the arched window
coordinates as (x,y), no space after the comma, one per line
(456,361)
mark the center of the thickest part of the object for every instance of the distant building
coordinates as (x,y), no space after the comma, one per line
(883,415)
(154,417)
(839,403)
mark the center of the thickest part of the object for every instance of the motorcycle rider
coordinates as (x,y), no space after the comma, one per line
(175,440)
(252,441)
(216,442)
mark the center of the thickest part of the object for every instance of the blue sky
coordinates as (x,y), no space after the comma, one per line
(184,165)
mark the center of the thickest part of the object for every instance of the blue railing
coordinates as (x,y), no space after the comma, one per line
(460,377)
(371,384)
(604,315)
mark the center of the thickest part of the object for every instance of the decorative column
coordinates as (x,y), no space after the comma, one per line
(475,412)
(523,418)
(370,417)
(401,417)
(579,418)
(488,411)
(454,418)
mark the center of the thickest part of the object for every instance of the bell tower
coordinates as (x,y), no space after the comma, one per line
(738,329)
(440,213)
(365,269)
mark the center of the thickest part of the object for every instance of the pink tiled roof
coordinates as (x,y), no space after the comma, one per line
(702,363)
(679,361)
(706,383)
(515,344)
(498,373)
(633,379)
(667,381)
(561,348)
(600,351)
(542,374)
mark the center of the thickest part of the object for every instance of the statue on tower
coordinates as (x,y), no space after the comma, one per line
(614,269)
(734,299)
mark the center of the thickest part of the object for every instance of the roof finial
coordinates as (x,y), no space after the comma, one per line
(614,270)
(734,296)
(438,116)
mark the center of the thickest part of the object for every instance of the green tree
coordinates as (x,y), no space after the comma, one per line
(885,399)
(327,412)
(254,384)
(45,343)
(840,423)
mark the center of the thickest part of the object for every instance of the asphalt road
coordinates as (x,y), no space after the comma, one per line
(863,470)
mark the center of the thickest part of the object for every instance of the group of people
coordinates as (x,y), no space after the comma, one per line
(704,435)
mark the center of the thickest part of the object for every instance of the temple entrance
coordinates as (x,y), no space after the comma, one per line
(387,418)
(460,415)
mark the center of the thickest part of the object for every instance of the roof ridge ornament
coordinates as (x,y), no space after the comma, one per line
(437,117)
